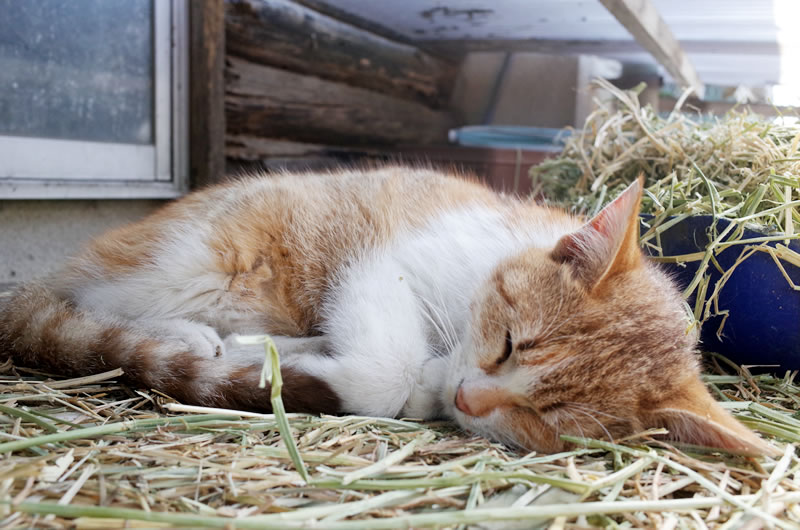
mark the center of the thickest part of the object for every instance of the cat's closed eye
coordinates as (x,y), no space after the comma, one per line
(509,347)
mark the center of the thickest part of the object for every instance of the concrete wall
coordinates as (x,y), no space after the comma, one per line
(36,236)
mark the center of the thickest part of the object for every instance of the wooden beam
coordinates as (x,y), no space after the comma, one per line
(372,26)
(268,102)
(294,37)
(206,92)
(642,20)
(458,48)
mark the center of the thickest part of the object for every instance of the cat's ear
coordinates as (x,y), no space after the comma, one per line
(609,243)
(693,417)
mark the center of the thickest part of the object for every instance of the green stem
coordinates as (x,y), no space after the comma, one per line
(111,428)
(27,416)
(438,518)
(279,411)
(441,482)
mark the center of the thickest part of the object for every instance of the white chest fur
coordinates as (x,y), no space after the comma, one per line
(399,312)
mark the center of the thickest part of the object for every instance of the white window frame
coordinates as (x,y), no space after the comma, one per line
(39,168)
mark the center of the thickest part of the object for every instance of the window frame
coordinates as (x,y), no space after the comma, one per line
(158,170)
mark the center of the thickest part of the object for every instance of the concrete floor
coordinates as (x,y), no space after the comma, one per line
(37,236)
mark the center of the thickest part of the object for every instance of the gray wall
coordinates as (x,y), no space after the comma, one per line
(534,89)
(36,236)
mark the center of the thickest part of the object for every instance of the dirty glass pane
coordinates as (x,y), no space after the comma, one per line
(77,69)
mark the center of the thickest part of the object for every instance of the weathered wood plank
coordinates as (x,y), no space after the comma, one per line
(288,35)
(642,20)
(273,103)
(206,92)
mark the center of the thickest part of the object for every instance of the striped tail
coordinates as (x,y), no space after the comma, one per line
(39,329)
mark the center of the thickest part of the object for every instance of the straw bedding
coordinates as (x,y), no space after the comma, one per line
(93,453)
(167,465)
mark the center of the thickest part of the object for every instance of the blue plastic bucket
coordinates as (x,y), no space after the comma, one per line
(763,326)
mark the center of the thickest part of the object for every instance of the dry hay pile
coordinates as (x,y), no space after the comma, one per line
(93,453)
(737,154)
(741,168)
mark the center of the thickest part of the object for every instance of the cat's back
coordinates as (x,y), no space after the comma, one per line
(330,216)
(284,234)
(306,227)
(352,209)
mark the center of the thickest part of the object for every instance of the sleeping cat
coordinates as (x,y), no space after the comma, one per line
(390,292)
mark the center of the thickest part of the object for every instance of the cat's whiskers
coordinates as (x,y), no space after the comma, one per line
(554,320)
(434,316)
(448,331)
(504,437)
(575,421)
(448,321)
(556,325)
(608,434)
(435,325)
(590,409)
(556,424)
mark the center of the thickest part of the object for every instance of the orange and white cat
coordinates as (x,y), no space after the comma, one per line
(390,292)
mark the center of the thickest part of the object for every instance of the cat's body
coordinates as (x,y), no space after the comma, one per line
(393,292)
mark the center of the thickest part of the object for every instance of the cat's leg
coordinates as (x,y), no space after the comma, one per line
(183,365)
(425,401)
(314,356)
(188,361)
(192,363)
(378,343)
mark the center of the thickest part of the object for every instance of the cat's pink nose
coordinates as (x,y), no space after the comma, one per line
(461,403)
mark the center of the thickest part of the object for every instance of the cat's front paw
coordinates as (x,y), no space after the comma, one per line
(193,337)
(425,400)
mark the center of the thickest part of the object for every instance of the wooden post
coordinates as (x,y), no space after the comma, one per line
(206,92)
(642,20)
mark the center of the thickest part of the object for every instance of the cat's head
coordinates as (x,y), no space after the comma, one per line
(587,339)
